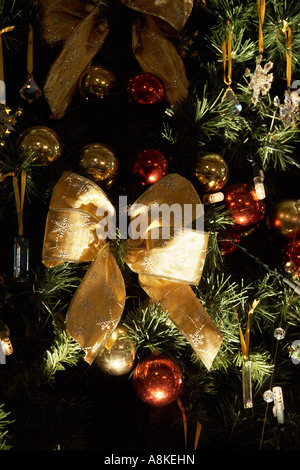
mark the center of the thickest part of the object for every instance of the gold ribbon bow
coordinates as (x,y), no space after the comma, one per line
(166,266)
(79,24)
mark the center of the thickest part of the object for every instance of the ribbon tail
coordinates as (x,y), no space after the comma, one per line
(188,314)
(158,56)
(80,48)
(97,305)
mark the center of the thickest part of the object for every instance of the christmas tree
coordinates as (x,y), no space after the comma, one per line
(183,342)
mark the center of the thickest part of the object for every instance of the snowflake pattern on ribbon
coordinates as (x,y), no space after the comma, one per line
(261,79)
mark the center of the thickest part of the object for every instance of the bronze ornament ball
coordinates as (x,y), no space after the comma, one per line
(99,163)
(157,380)
(118,354)
(285,218)
(211,171)
(243,206)
(96,82)
(150,166)
(145,88)
(40,143)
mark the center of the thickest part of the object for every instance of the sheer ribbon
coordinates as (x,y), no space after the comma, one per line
(166,267)
(80,25)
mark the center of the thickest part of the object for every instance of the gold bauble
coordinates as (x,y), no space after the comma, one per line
(40,143)
(118,355)
(99,163)
(212,172)
(285,218)
(96,82)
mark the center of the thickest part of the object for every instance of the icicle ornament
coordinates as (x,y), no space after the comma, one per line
(278,408)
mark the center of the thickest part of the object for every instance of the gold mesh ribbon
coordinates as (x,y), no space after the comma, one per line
(79,25)
(166,267)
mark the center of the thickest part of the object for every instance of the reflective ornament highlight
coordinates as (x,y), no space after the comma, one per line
(212,172)
(285,218)
(229,240)
(291,257)
(96,82)
(99,163)
(118,354)
(41,144)
(150,166)
(279,333)
(268,396)
(242,203)
(231,98)
(145,89)
(30,91)
(157,380)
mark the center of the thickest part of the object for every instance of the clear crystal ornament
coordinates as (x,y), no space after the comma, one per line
(231,98)
(279,333)
(21,258)
(268,396)
(289,111)
(261,79)
(30,91)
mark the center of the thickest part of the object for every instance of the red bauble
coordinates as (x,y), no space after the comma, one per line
(145,88)
(242,203)
(291,256)
(228,240)
(157,380)
(149,166)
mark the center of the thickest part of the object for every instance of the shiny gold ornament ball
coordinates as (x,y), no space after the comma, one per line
(285,219)
(212,172)
(99,163)
(118,354)
(39,143)
(96,82)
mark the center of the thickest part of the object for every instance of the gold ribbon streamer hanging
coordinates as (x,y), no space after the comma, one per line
(166,266)
(30,51)
(226,52)
(287,31)
(2,31)
(83,31)
(184,421)
(19,196)
(245,341)
(261,8)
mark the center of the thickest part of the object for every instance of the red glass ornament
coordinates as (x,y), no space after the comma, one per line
(242,203)
(149,166)
(228,239)
(145,88)
(291,255)
(157,380)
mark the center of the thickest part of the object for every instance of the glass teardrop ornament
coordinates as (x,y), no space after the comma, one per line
(30,91)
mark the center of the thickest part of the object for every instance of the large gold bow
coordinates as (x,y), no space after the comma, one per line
(79,24)
(166,266)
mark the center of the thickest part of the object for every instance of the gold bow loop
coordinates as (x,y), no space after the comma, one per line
(80,26)
(166,263)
